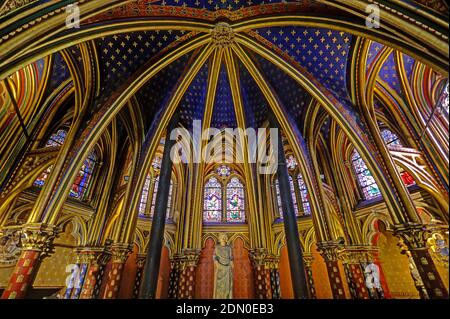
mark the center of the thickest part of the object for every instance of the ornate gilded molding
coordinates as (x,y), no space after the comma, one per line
(414,236)
(11,5)
(329,250)
(120,252)
(308,259)
(357,254)
(93,255)
(38,237)
(222,35)
(29,165)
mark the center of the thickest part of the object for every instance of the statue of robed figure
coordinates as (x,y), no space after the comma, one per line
(223,269)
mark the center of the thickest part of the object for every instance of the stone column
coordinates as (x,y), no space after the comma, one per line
(119,255)
(186,280)
(414,237)
(307,261)
(329,252)
(36,244)
(140,262)
(272,263)
(262,274)
(96,258)
(152,263)
(299,285)
(174,277)
(354,258)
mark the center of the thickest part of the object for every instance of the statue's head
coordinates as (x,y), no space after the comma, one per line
(223,239)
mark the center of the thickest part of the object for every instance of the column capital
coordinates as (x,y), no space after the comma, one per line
(93,255)
(329,250)
(355,254)
(140,260)
(272,262)
(413,235)
(308,259)
(120,252)
(187,258)
(258,256)
(38,237)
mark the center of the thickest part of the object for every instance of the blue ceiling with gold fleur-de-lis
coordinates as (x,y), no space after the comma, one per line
(388,73)
(293,97)
(154,96)
(59,73)
(322,52)
(223,112)
(193,104)
(255,105)
(121,55)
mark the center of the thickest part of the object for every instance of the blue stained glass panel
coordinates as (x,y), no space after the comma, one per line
(235,201)
(366,181)
(212,201)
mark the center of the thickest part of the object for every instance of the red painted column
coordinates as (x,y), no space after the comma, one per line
(97,259)
(353,258)
(174,278)
(186,280)
(140,261)
(36,241)
(262,274)
(414,237)
(119,256)
(307,261)
(329,252)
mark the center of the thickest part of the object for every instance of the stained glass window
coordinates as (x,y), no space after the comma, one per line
(294,197)
(366,181)
(235,201)
(57,139)
(304,195)
(212,201)
(390,138)
(169,200)
(444,100)
(223,171)
(277,191)
(155,191)
(156,164)
(291,162)
(40,181)
(144,195)
(81,183)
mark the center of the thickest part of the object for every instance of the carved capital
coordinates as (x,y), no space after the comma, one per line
(38,237)
(329,250)
(258,256)
(222,35)
(190,257)
(414,236)
(272,262)
(357,254)
(120,252)
(308,259)
(140,260)
(93,255)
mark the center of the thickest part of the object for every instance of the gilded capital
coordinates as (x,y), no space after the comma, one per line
(222,35)
(38,237)
(329,250)
(120,252)
(414,236)
(357,254)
